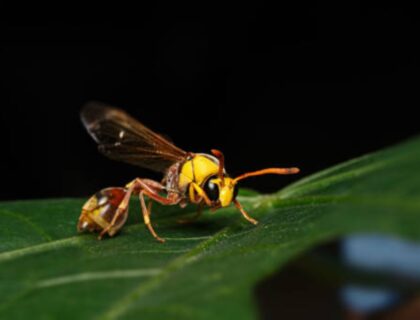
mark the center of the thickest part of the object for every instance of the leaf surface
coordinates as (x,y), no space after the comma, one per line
(207,269)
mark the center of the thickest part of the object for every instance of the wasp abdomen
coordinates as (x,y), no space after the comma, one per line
(100,210)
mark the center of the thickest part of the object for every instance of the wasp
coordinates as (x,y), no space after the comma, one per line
(188,177)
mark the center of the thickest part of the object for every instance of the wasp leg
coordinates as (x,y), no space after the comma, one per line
(151,189)
(201,193)
(120,211)
(194,217)
(146,217)
(132,187)
(246,216)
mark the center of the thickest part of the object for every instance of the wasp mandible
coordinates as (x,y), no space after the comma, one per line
(189,177)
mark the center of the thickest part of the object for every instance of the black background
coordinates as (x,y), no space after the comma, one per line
(269,83)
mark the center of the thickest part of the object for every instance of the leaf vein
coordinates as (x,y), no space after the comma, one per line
(28,222)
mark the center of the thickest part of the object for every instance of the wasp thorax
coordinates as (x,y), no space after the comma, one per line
(100,210)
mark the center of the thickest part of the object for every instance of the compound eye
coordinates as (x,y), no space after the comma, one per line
(211,189)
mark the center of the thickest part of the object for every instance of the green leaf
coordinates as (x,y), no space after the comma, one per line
(205,270)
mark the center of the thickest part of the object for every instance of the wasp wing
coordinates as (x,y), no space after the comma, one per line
(123,138)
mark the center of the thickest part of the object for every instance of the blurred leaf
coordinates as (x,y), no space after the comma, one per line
(205,270)
(332,271)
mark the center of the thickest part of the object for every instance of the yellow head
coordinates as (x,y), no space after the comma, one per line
(222,190)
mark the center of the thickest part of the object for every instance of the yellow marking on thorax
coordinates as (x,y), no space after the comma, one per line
(197,170)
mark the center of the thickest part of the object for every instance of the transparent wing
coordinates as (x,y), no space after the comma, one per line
(123,138)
